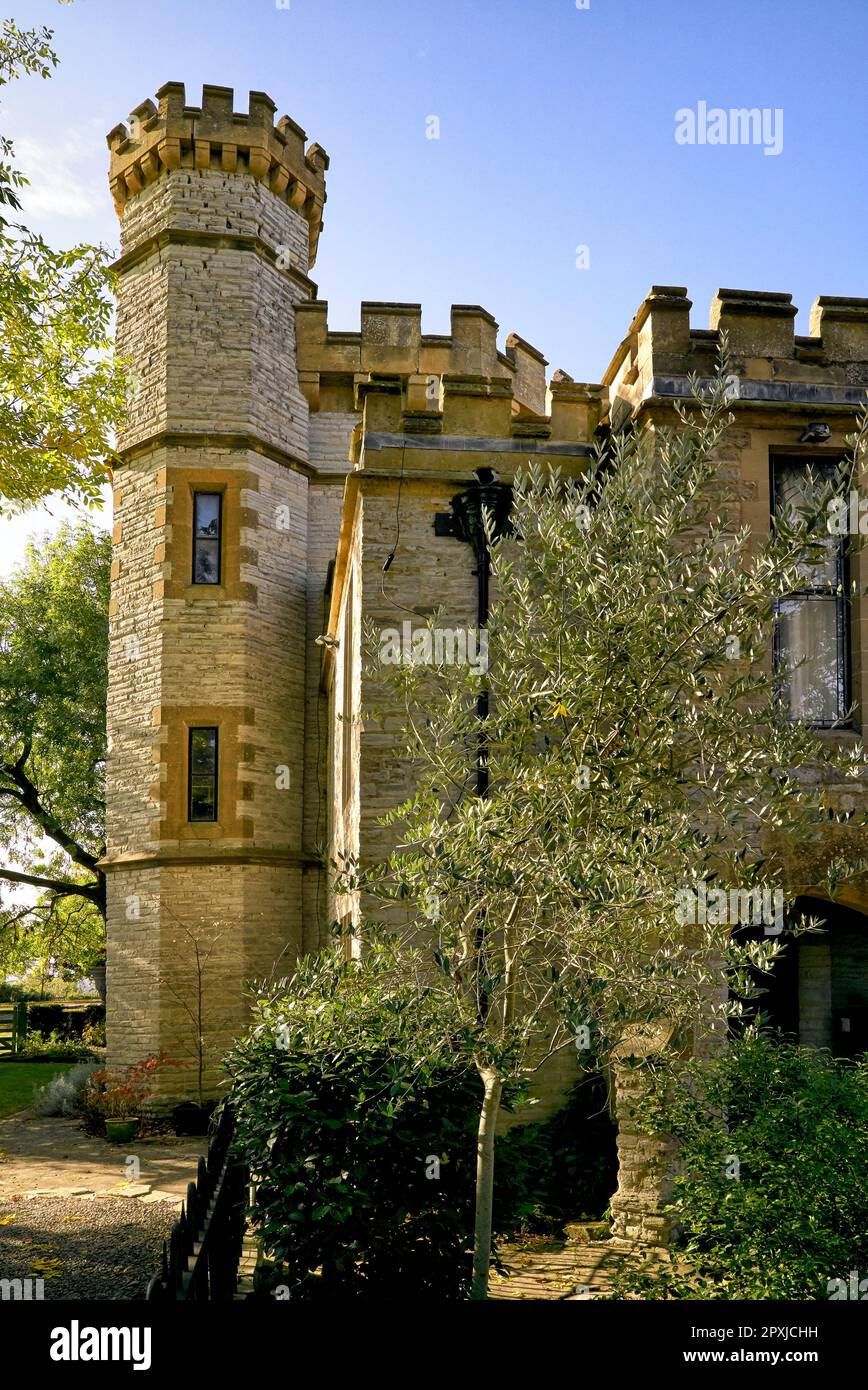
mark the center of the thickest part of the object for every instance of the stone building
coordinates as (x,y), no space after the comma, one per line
(256,506)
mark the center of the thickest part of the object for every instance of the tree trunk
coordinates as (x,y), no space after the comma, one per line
(485,1182)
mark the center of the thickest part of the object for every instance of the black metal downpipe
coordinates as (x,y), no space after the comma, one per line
(469,508)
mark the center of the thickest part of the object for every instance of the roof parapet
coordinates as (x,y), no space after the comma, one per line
(529,381)
(174,135)
(758,323)
(842,325)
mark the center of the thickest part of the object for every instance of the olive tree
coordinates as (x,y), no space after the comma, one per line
(636,758)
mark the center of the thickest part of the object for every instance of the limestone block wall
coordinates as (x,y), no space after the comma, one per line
(429,573)
(133,996)
(644,1169)
(217,237)
(236,916)
(135,652)
(209,323)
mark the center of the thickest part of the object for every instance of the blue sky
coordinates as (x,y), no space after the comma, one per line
(557,130)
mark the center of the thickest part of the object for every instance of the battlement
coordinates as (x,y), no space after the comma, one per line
(173,135)
(773,366)
(841,325)
(432,366)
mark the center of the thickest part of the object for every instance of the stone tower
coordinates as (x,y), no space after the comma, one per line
(220,215)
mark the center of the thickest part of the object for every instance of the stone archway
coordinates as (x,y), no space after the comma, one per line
(818,993)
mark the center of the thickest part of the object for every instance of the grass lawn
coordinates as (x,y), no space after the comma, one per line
(17,1080)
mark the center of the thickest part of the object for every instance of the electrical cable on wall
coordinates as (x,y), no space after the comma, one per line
(392,553)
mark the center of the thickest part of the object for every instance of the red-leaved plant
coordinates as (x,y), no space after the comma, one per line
(117,1094)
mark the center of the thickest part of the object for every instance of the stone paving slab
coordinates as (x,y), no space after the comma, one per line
(52,1158)
(546,1268)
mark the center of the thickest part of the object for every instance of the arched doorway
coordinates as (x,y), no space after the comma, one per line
(818,993)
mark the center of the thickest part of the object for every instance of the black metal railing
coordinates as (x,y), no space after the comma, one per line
(202,1254)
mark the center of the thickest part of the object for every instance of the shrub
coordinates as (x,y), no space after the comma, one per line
(10,993)
(93,1034)
(118,1094)
(771,1191)
(358,1119)
(55,1047)
(65,1095)
(58,1017)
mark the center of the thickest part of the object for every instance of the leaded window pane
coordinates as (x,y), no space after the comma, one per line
(207,527)
(203,775)
(811,658)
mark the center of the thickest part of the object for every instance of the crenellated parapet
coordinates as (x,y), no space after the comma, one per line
(841,327)
(433,378)
(173,135)
(770,367)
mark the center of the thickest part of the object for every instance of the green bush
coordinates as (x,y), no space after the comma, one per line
(359,1122)
(65,1095)
(93,1034)
(771,1192)
(56,1047)
(56,1016)
(10,993)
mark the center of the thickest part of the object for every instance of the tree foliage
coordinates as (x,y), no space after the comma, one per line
(61,391)
(53,680)
(634,749)
(771,1192)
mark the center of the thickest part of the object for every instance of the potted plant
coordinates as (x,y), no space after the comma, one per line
(117,1097)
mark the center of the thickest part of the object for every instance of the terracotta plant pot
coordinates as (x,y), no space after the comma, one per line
(121,1131)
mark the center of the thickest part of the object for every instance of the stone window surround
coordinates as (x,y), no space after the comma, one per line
(228,482)
(172,788)
(201,540)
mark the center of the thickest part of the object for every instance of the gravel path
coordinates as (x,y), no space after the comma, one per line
(83,1247)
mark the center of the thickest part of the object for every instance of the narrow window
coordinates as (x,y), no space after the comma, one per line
(202,778)
(207,526)
(811,631)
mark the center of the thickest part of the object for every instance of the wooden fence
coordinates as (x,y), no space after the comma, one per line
(13,1026)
